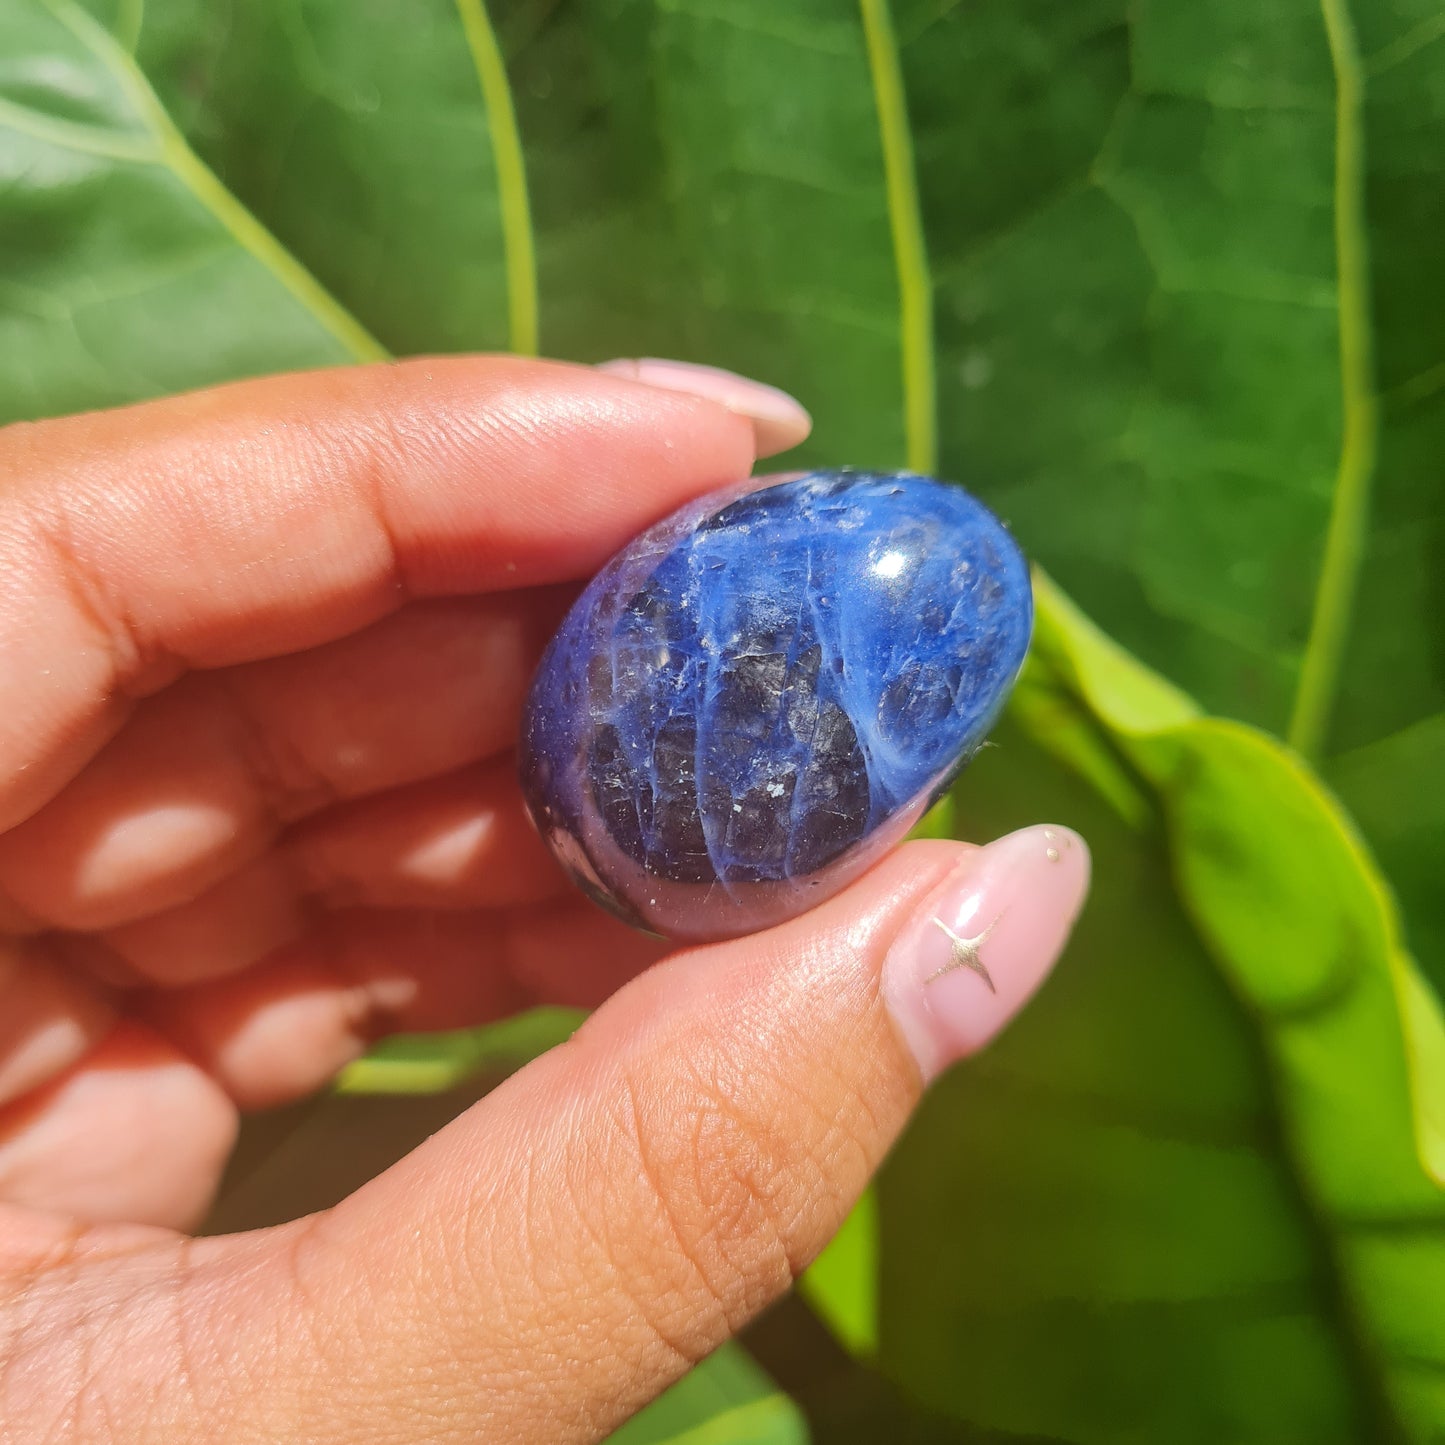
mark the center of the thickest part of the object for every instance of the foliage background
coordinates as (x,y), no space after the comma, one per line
(1161,281)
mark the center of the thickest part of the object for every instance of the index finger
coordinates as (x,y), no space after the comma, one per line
(268,516)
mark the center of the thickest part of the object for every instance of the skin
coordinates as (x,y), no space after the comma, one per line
(262,652)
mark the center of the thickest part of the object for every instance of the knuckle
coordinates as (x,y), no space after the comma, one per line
(737,1188)
(82,1338)
(285,782)
(62,564)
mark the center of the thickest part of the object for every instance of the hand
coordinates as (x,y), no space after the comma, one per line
(262,651)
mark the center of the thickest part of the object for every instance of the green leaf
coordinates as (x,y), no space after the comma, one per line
(378,142)
(707,181)
(842,1283)
(1279,886)
(1189,323)
(1297,920)
(1392,789)
(126,269)
(434,1063)
(727,1400)
(1177,1201)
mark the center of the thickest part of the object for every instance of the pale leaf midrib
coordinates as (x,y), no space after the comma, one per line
(910,253)
(173,152)
(518,242)
(129,22)
(1349,506)
(92,140)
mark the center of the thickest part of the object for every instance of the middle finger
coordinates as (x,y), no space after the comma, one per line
(205,775)
(460,841)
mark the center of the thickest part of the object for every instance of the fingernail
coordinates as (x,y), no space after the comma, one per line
(984,942)
(779,422)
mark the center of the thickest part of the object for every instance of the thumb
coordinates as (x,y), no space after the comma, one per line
(562,1252)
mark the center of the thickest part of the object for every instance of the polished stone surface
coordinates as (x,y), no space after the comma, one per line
(763,692)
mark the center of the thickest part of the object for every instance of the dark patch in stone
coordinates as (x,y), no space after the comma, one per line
(833,798)
(750,690)
(678,847)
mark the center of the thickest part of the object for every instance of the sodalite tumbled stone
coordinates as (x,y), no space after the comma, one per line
(765,691)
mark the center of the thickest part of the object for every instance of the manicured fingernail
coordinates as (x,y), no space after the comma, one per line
(779,422)
(984,942)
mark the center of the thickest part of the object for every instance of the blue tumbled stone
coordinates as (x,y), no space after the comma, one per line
(762,693)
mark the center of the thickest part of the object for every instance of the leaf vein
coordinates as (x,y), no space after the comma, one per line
(1414,40)
(796,36)
(202,182)
(71,135)
(518,240)
(1349,508)
(905,219)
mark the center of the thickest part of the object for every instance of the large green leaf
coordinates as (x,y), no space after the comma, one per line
(1191,338)
(1092,1234)
(1159,280)
(1226,1199)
